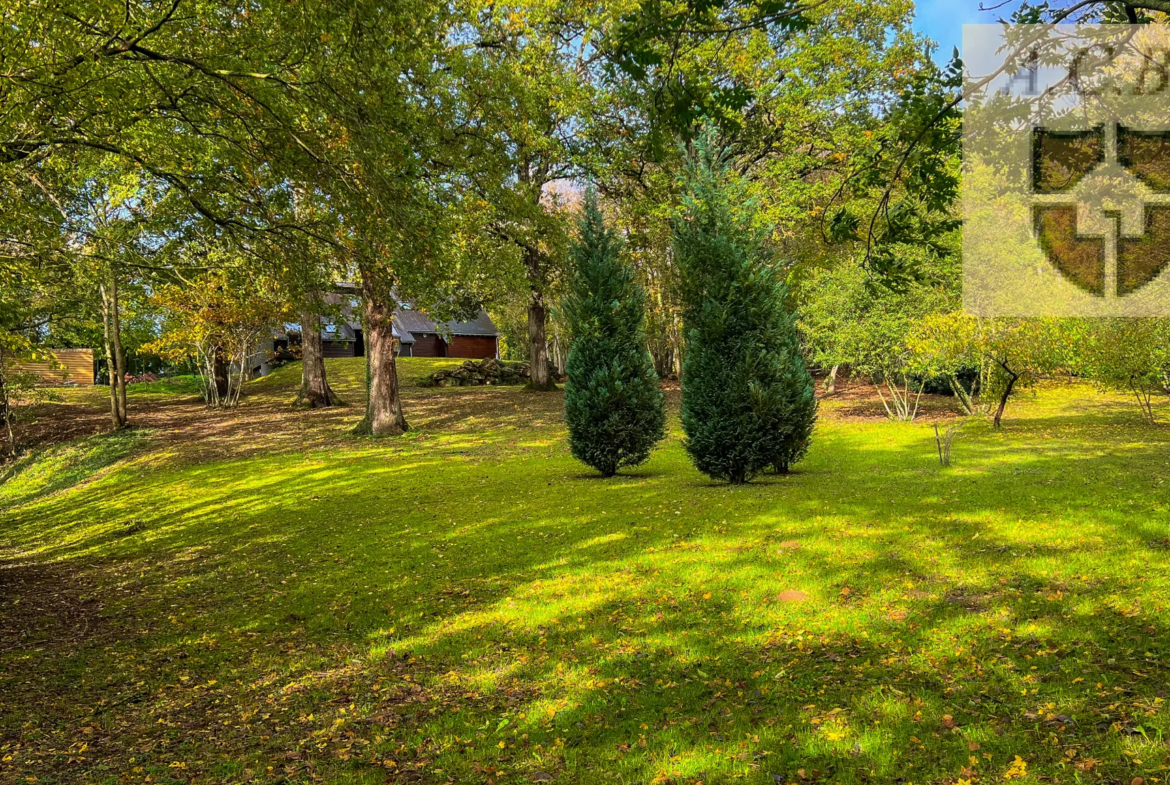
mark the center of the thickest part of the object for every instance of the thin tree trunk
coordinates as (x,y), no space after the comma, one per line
(961,393)
(831,381)
(119,351)
(384,406)
(5,406)
(1003,399)
(116,410)
(1144,401)
(315,390)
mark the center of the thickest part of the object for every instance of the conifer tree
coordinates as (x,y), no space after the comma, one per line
(748,399)
(613,407)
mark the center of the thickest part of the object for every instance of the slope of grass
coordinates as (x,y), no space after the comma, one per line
(468,604)
(58,467)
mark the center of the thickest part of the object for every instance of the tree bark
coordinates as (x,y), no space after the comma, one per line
(222,387)
(965,399)
(119,351)
(115,357)
(1003,399)
(538,344)
(663,361)
(383,405)
(5,408)
(315,390)
(831,380)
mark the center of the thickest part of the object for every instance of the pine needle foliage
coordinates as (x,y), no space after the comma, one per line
(748,399)
(614,409)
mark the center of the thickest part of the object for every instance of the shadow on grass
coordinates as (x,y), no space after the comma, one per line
(451,605)
(54,468)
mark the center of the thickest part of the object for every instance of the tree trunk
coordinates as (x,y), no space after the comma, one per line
(831,380)
(383,406)
(315,390)
(119,351)
(5,408)
(1144,400)
(222,387)
(1003,399)
(112,349)
(538,344)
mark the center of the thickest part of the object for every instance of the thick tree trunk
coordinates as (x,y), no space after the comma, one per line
(315,390)
(222,387)
(538,344)
(384,406)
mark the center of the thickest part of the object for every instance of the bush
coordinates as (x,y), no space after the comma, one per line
(613,407)
(748,398)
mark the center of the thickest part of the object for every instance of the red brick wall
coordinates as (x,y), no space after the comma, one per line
(476,347)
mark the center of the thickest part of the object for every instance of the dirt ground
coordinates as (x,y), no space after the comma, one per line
(266,420)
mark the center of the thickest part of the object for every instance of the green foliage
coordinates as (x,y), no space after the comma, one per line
(216,324)
(849,318)
(748,401)
(1010,353)
(613,407)
(1126,354)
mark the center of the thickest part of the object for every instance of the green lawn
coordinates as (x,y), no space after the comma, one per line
(467,604)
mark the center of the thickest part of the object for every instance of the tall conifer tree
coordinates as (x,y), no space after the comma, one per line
(613,407)
(748,399)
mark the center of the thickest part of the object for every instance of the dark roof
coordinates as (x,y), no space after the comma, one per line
(481,325)
(407,320)
(413,321)
(337,332)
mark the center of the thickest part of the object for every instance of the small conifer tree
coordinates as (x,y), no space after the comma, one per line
(613,407)
(748,399)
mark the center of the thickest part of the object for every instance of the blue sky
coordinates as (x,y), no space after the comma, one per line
(943,21)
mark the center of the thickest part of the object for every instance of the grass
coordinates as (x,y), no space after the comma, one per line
(468,604)
(43,471)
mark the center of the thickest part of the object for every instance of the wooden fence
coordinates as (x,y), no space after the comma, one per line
(69,366)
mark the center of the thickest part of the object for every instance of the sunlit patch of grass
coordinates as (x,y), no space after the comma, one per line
(59,467)
(469,604)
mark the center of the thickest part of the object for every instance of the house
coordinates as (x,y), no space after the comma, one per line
(415,333)
(477,339)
